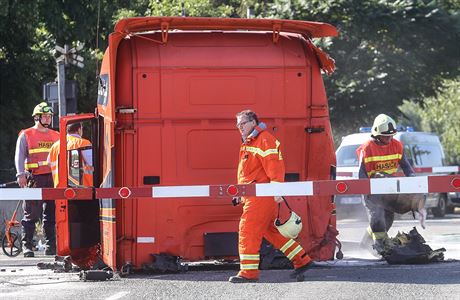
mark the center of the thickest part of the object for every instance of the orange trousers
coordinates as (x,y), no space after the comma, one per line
(259,214)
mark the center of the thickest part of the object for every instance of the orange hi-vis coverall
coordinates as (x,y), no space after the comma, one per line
(261,162)
(85,256)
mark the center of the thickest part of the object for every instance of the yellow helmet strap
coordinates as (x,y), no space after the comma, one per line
(39,119)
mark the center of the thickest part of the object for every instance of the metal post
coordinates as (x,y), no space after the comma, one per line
(249,12)
(67,56)
(61,87)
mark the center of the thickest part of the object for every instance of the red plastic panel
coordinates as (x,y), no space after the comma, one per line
(233,190)
(440,184)
(331,187)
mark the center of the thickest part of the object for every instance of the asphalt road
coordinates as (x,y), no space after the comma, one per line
(358,276)
(368,281)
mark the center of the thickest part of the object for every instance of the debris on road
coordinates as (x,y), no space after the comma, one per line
(410,249)
(61,264)
(96,275)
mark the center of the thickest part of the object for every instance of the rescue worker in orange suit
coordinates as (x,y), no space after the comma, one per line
(85,212)
(381,155)
(74,142)
(32,149)
(260,161)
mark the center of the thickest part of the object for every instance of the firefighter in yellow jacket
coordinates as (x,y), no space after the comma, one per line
(32,148)
(381,155)
(74,142)
(261,162)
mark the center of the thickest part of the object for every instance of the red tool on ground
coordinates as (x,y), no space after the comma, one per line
(11,242)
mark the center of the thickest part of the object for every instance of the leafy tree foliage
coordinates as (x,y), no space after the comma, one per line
(440,113)
(29,31)
(21,69)
(191,8)
(387,51)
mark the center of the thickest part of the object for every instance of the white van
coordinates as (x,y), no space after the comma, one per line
(422,149)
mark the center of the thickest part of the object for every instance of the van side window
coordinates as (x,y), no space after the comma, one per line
(75,171)
(427,155)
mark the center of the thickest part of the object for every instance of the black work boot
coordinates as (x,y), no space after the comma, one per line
(298,273)
(27,252)
(50,250)
(50,239)
(379,246)
(241,279)
(27,244)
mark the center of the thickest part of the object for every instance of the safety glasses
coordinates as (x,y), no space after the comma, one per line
(47,109)
(241,124)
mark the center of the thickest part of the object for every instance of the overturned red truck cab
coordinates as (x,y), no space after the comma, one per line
(168,93)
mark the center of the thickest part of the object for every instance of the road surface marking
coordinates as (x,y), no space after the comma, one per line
(117,296)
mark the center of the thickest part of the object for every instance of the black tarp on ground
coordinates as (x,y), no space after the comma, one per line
(410,248)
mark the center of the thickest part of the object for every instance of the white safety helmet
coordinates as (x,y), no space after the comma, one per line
(291,228)
(383,125)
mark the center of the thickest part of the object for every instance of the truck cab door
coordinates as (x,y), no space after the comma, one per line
(77,221)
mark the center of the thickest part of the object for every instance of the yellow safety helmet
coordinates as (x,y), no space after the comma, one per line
(42,108)
(291,228)
(383,125)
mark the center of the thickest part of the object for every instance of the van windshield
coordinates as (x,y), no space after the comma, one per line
(346,156)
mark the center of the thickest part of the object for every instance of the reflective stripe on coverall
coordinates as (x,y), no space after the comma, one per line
(261,162)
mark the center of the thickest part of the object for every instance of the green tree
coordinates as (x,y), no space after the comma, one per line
(20,71)
(192,8)
(440,114)
(29,31)
(411,114)
(387,51)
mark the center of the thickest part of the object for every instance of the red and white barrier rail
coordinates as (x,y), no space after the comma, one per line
(353,171)
(392,185)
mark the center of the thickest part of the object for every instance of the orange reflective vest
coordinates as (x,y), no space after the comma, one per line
(380,158)
(38,144)
(73,143)
(261,160)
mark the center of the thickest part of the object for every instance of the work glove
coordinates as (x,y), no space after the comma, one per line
(236,201)
(22,180)
(278,199)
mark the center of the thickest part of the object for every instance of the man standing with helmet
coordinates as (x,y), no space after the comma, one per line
(260,161)
(32,148)
(74,142)
(381,156)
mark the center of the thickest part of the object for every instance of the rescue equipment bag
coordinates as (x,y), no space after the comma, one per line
(328,244)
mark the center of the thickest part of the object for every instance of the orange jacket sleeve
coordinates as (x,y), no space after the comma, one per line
(272,160)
